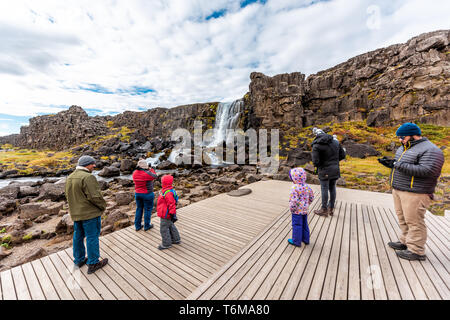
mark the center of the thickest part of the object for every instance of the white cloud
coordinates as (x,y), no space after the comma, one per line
(50,49)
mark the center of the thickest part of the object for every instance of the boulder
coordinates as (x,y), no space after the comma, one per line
(35,209)
(10,192)
(65,225)
(358,150)
(281,176)
(52,191)
(33,255)
(127,165)
(116,219)
(43,218)
(124,182)
(240,192)
(7,205)
(298,157)
(4,253)
(27,191)
(226,180)
(251,178)
(103,184)
(124,198)
(19,225)
(166,165)
(110,171)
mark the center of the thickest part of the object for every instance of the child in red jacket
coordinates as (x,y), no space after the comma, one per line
(167,208)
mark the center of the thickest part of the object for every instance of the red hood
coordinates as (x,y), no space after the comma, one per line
(166,182)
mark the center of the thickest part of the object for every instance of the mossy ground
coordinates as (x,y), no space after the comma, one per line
(26,161)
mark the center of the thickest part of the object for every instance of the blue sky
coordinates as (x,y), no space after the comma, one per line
(109,56)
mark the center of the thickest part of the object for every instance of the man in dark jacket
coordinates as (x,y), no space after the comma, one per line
(326,154)
(86,205)
(414,175)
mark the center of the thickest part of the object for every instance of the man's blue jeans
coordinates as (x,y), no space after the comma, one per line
(91,230)
(325,186)
(144,203)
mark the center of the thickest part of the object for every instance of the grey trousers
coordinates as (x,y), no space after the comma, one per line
(169,233)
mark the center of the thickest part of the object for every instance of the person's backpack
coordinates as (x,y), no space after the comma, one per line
(175,196)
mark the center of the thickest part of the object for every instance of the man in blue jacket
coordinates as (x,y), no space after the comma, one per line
(415,171)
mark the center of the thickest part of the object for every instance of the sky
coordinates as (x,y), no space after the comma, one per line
(109,56)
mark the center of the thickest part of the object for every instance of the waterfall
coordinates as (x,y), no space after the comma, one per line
(227,117)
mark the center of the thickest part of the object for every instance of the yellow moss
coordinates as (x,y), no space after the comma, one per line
(109,124)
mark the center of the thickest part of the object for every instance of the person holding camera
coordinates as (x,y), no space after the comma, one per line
(414,174)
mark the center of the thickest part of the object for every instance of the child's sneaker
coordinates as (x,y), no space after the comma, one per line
(160,247)
(292,242)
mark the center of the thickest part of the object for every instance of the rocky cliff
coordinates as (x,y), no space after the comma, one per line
(403,82)
(61,130)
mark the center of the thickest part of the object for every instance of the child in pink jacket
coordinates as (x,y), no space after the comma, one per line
(300,198)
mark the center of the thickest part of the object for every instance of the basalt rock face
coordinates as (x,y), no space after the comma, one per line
(162,121)
(61,130)
(403,82)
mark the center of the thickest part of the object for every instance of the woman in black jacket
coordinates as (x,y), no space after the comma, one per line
(326,154)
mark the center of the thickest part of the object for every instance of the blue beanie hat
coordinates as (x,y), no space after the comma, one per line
(408,129)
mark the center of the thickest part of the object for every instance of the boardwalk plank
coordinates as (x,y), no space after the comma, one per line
(286,270)
(175,262)
(354,283)
(390,272)
(213,284)
(107,289)
(366,290)
(90,282)
(70,280)
(154,283)
(317,284)
(33,283)
(204,266)
(57,281)
(46,284)
(329,282)
(20,284)
(247,287)
(9,291)
(341,290)
(183,278)
(294,284)
(231,289)
(373,276)
(134,277)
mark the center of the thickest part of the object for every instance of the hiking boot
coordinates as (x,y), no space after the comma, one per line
(82,263)
(322,212)
(160,247)
(397,245)
(330,211)
(408,255)
(151,226)
(292,242)
(94,267)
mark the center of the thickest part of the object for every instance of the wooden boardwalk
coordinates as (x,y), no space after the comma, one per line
(236,248)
